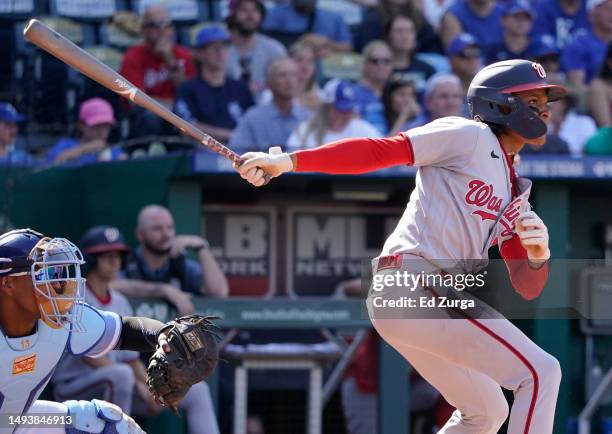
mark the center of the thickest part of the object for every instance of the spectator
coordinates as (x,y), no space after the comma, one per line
(600,143)
(160,268)
(377,69)
(600,93)
(401,104)
(517,22)
(213,100)
(374,20)
(401,37)
(157,66)
(482,18)
(545,51)
(573,128)
(561,19)
(325,30)
(305,56)
(333,120)
(9,154)
(96,118)
(271,123)
(120,376)
(443,97)
(465,58)
(583,56)
(250,51)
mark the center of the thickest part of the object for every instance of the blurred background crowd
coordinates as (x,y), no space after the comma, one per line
(295,73)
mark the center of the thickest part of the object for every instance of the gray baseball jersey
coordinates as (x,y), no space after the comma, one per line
(462,203)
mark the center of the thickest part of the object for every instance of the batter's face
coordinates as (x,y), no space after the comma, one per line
(537,100)
(157,232)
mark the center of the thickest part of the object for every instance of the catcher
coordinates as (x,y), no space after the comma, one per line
(42,315)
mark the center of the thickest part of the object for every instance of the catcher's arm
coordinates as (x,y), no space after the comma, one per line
(140,334)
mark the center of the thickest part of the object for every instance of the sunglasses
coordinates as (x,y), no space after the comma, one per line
(379,61)
(158,24)
(469,54)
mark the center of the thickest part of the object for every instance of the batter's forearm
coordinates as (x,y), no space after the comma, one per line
(139,334)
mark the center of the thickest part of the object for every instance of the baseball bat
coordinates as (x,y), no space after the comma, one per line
(52,42)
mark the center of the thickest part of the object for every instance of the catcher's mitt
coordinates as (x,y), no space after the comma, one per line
(192,358)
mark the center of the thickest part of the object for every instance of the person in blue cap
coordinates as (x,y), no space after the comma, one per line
(335,119)
(214,101)
(465,58)
(9,154)
(517,22)
(545,51)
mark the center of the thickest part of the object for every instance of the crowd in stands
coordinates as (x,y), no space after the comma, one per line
(260,77)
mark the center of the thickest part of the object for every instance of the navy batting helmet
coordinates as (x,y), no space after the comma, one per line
(101,239)
(15,251)
(490,96)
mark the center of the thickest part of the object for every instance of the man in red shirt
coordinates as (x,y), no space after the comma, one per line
(157,66)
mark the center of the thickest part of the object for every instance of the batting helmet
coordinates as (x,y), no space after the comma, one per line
(490,96)
(101,239)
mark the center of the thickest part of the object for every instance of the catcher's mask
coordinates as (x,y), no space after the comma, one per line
(54,265)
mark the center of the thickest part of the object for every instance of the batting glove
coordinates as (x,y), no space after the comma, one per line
(257,164)
(534,236)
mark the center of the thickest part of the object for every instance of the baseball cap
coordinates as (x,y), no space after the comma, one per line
(341,94)
(102,239)
(96,111)
(516,7)
(544,45)
(591,4)
(211,34)
(9,114)
(460,43)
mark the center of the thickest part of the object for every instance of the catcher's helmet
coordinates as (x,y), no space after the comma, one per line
(15,251)
(490,96)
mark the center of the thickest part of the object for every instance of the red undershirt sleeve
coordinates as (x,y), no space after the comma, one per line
(356,155)
(528,282)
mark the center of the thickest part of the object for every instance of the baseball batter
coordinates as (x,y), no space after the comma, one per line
(467,198)
(42,315)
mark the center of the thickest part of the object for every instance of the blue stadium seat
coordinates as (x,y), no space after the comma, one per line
(181,11)
(16,10)
(86,10)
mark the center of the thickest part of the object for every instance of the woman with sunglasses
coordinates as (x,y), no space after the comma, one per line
(376,71)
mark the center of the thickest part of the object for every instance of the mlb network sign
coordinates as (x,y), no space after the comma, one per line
(326,246)
(242,240)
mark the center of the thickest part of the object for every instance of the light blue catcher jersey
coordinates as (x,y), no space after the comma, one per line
(27,363)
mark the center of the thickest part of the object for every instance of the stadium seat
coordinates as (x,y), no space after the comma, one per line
(343,65)
(351,12)
(110,56)
(19,10)
(86,10)
(438,61)
(56,86)
(181,11)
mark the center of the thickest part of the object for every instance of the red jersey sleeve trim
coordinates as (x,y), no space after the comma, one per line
(528,282)
(356,155)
